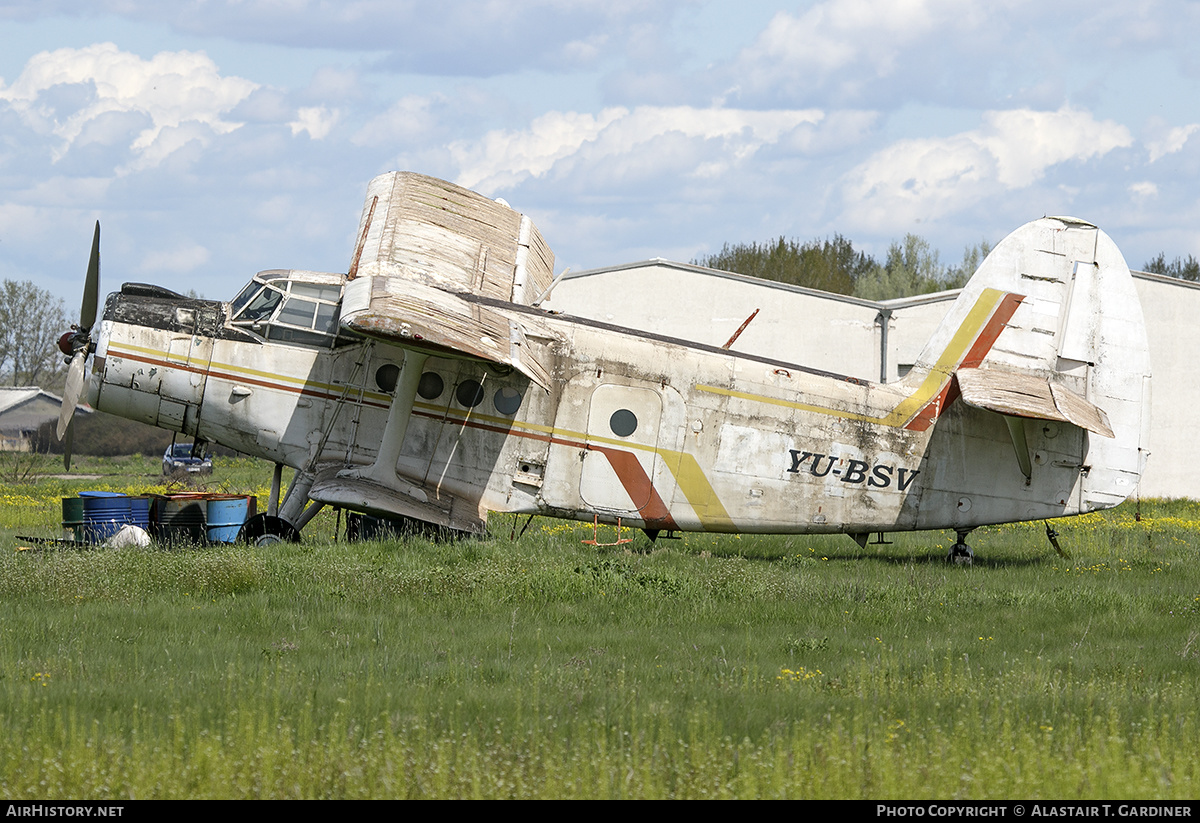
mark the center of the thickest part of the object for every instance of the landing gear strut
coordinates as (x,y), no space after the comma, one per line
(282,522)
(960,552)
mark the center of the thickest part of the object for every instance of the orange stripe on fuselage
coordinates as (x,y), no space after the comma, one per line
(930,412)
(629,470)
(234,378)
(638,486)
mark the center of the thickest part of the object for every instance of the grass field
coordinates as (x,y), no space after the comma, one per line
(540,667)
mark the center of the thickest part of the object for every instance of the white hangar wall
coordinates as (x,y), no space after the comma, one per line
(846,335)
(814,328)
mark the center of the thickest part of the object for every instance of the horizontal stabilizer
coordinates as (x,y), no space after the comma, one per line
(1029,395)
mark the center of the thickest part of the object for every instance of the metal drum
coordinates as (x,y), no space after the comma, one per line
(104,513)
(179,518)
(72,518)
(226,514)
(139,512)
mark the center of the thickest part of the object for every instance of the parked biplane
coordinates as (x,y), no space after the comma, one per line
(426,382)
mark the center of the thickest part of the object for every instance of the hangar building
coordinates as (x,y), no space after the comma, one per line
(879,341)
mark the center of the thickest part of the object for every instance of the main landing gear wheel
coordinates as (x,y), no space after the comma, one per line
(267,530)
(960,552)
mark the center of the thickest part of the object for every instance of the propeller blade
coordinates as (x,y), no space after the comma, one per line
(91,286)
(67,445)
(72,391)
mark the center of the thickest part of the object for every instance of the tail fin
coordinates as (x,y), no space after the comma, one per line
(1048,329)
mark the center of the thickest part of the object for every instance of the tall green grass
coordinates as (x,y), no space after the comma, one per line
(704,667)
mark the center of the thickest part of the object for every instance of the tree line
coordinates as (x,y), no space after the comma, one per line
(31,321)
(910,267)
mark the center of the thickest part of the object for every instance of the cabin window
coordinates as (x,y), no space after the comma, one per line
(623,422)
(387,376)
(469,393)
(431,385)
(507,400)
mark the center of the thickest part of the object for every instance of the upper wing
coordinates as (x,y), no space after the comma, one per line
(435,263)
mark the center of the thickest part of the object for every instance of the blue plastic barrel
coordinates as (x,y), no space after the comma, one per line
(139,512)
(104,513)
(226,514)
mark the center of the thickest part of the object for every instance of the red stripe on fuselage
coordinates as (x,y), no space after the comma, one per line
(628,468)
(974,357)
(638,486)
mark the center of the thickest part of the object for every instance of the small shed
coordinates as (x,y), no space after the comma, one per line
(23,409)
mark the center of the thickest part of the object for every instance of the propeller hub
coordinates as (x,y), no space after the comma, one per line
(66,343)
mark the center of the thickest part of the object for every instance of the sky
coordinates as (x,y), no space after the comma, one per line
(217,138)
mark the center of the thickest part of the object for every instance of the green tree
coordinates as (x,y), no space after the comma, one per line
(830,265)
(914,267)
(911,266)
(105,435)
(1183,269)
(973,256)
(31,321)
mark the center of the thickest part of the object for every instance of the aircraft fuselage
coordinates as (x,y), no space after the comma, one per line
(663,434)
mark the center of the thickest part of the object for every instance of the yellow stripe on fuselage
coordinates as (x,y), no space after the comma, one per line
(688,474)
(976,319)
(282,380)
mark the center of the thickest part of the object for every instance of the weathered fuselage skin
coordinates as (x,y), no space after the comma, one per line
(670,435)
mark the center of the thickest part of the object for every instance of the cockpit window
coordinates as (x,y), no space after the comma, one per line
(244,296)
(260,306)
(327,318)
(297,312)
(292,311)
(330,294)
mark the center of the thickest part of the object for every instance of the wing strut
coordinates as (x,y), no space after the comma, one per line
(383,470)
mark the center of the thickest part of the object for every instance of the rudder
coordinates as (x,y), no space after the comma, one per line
(1050,328)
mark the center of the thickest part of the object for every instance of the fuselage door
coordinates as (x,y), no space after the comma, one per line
(622,437)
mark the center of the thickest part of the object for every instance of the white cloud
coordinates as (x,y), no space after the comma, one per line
(1025,143)
(504,158)
(175,261)
(1170,141)
(181,93)
(318,121)
(853,42)
(411,117)
(1143,190)
(927,178)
